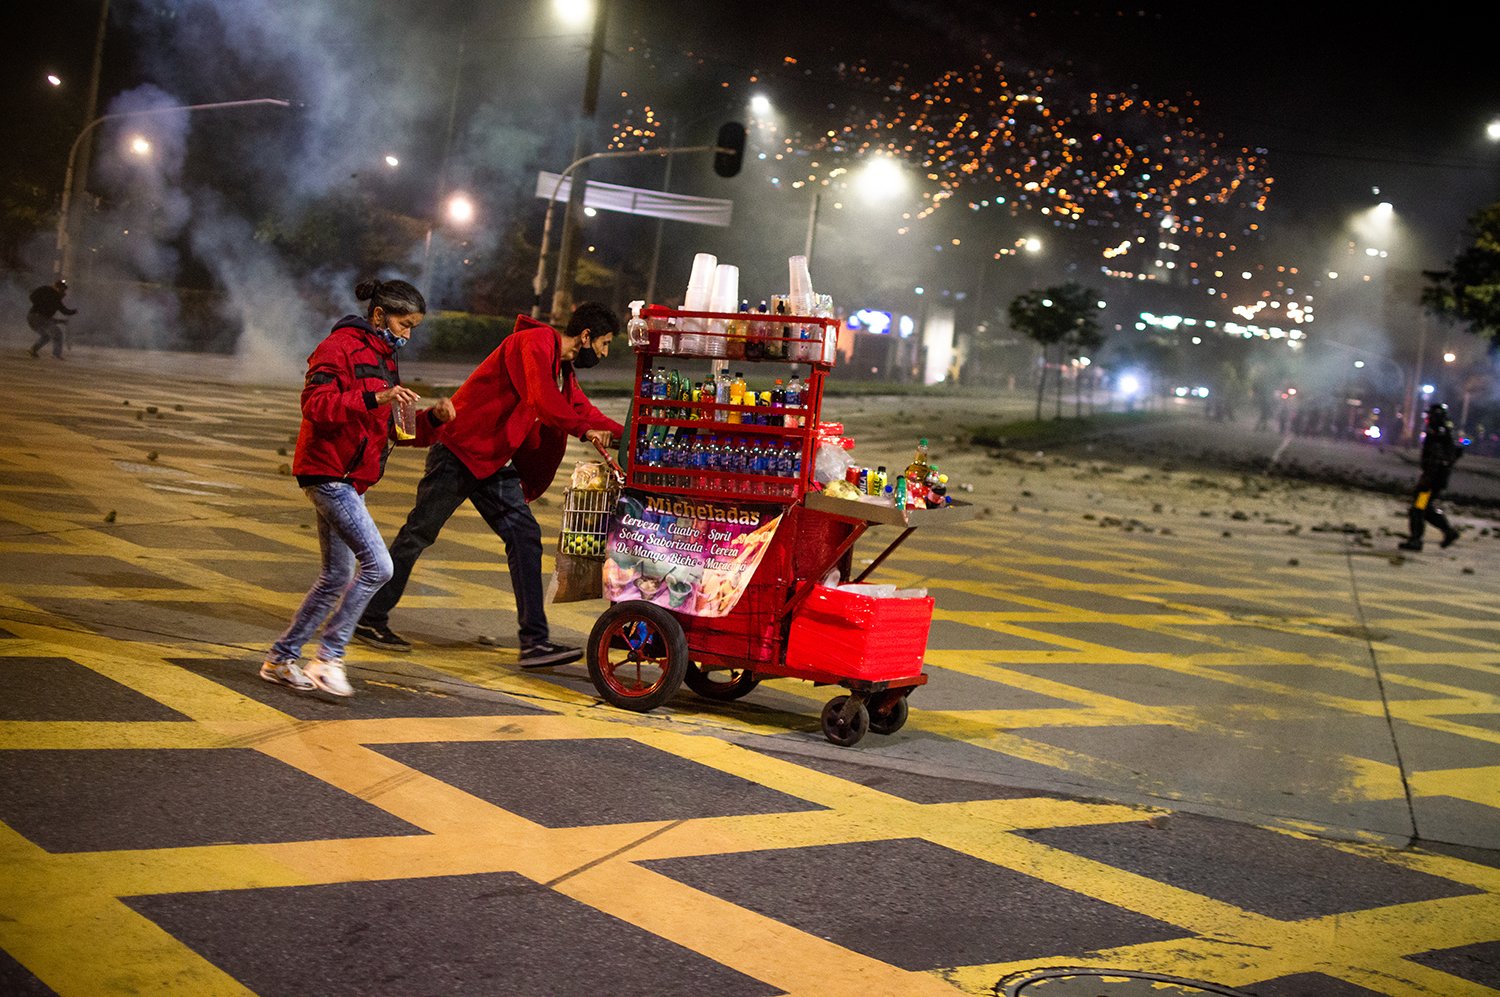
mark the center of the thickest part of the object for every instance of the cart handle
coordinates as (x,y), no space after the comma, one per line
(614,468)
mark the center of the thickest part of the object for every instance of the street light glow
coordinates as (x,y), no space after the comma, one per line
(1449,357)
(881,178)
(54,79)
(574,12)
(392,162)
(1492,130)
(1032,244)
(460,209)
(140,146)
(760,104)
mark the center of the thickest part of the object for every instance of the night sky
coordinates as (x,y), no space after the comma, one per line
(1336,105)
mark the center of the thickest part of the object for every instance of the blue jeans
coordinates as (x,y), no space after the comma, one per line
(346,534)
(445,486)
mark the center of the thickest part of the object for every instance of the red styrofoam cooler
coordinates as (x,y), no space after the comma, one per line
(860,637)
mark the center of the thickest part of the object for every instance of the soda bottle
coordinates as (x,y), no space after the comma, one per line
(778,400)
(762,331)
(794,451)
(735,332)
(776,346)
(875,484)
(736,395)
(699,462)
(765,417)
(794,400)
(755,347)
(642,446)
(916,471)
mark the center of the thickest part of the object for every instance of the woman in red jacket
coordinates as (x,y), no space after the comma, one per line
(348,402)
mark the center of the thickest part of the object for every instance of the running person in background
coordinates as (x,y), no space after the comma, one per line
(348,397)
(515,413)
(46,302)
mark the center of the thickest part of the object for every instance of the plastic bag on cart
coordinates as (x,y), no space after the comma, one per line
(831,462)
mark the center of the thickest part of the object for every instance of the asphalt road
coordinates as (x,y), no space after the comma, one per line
(1181,720)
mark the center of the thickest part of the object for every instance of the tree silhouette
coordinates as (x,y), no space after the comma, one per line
(1468,292)
(1063,316)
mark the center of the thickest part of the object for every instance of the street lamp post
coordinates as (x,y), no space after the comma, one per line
(567,257)
(539,283)
(63,260)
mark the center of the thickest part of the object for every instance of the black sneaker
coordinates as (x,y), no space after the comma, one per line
(1410,545)
(381,637)
(1449,536)
(547,653)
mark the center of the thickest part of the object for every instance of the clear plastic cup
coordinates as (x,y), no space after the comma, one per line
(404,416)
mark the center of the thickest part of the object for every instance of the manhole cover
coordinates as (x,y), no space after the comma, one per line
(1106,983)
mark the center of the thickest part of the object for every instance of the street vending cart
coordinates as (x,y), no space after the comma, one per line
(724,565)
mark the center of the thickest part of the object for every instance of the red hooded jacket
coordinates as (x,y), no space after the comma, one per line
(345,435)
(518,406)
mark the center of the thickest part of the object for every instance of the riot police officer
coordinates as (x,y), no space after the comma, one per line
(1440,451)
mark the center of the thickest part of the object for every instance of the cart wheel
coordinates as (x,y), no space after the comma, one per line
(839,730)
(637,655)
(720,684)
(890,716)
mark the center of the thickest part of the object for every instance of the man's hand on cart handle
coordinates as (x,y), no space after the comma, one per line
(601,439)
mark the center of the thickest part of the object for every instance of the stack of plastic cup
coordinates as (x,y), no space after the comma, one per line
(700,291)
(801,301)
(725,298)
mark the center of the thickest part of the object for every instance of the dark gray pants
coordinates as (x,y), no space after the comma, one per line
(445,486)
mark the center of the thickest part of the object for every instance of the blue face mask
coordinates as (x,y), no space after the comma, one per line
(392,340)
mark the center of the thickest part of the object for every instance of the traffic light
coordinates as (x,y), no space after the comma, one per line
(731,154)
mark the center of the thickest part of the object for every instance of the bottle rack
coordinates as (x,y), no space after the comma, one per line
(710,419)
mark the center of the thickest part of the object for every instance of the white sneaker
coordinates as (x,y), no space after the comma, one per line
(287,673)
(328,674)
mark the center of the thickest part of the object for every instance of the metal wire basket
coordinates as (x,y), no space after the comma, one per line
(585,520)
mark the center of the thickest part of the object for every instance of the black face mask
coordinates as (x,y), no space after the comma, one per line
(586,358)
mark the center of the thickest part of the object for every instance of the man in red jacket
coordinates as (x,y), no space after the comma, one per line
(515,413)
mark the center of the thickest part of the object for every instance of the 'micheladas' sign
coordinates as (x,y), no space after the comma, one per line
(693,557)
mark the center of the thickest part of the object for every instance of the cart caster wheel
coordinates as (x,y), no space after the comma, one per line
(637,655)
(720,684)
(839,730)
(892,719)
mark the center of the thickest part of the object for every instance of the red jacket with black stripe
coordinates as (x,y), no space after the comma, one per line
(345,435)
(520,405)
